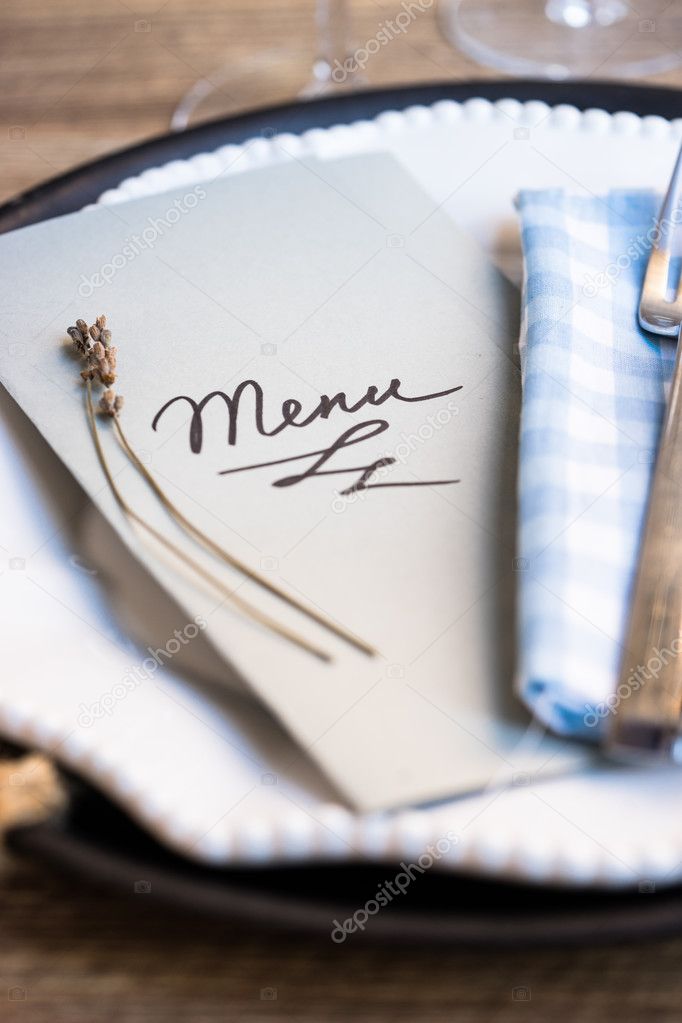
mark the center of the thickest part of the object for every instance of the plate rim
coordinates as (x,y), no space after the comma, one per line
(54,841)
(68,192)
(215,892)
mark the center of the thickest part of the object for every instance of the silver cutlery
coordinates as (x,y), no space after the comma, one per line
(646,721)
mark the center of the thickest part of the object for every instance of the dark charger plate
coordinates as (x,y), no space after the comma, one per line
(95,839)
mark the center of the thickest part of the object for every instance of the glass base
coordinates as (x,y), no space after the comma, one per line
(244,85)
(237,86)
(560,39)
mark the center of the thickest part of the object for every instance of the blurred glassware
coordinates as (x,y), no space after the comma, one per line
(241,84)
(562,39)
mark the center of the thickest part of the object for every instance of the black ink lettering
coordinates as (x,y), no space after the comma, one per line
(291,408)
(353,435)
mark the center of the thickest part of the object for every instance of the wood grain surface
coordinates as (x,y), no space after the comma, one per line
(79,79)
(73,953)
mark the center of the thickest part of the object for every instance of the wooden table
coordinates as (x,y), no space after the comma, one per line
(79,79)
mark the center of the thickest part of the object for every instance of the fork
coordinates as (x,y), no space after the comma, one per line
(647,721)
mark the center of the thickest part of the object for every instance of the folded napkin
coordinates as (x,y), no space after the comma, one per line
(594,391)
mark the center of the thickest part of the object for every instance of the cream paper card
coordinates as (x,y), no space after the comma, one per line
(319,369)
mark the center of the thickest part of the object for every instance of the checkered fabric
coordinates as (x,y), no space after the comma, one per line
(594,392)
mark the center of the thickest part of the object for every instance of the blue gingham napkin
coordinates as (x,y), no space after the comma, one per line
(593,400)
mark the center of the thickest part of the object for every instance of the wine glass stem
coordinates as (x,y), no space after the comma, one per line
(333,40)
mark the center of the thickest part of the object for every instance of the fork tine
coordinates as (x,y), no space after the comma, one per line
(656,312)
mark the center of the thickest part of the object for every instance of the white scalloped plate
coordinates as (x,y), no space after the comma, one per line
(206,771)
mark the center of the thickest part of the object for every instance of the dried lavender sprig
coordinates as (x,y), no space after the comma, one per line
(110,403)
(101,365)
(100,368)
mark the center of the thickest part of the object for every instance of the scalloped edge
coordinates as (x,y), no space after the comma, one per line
(335,833)
(257,151)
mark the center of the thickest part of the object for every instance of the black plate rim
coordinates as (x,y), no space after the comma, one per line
(213,894)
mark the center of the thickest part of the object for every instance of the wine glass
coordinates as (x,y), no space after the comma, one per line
(242,83)
(562,39)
